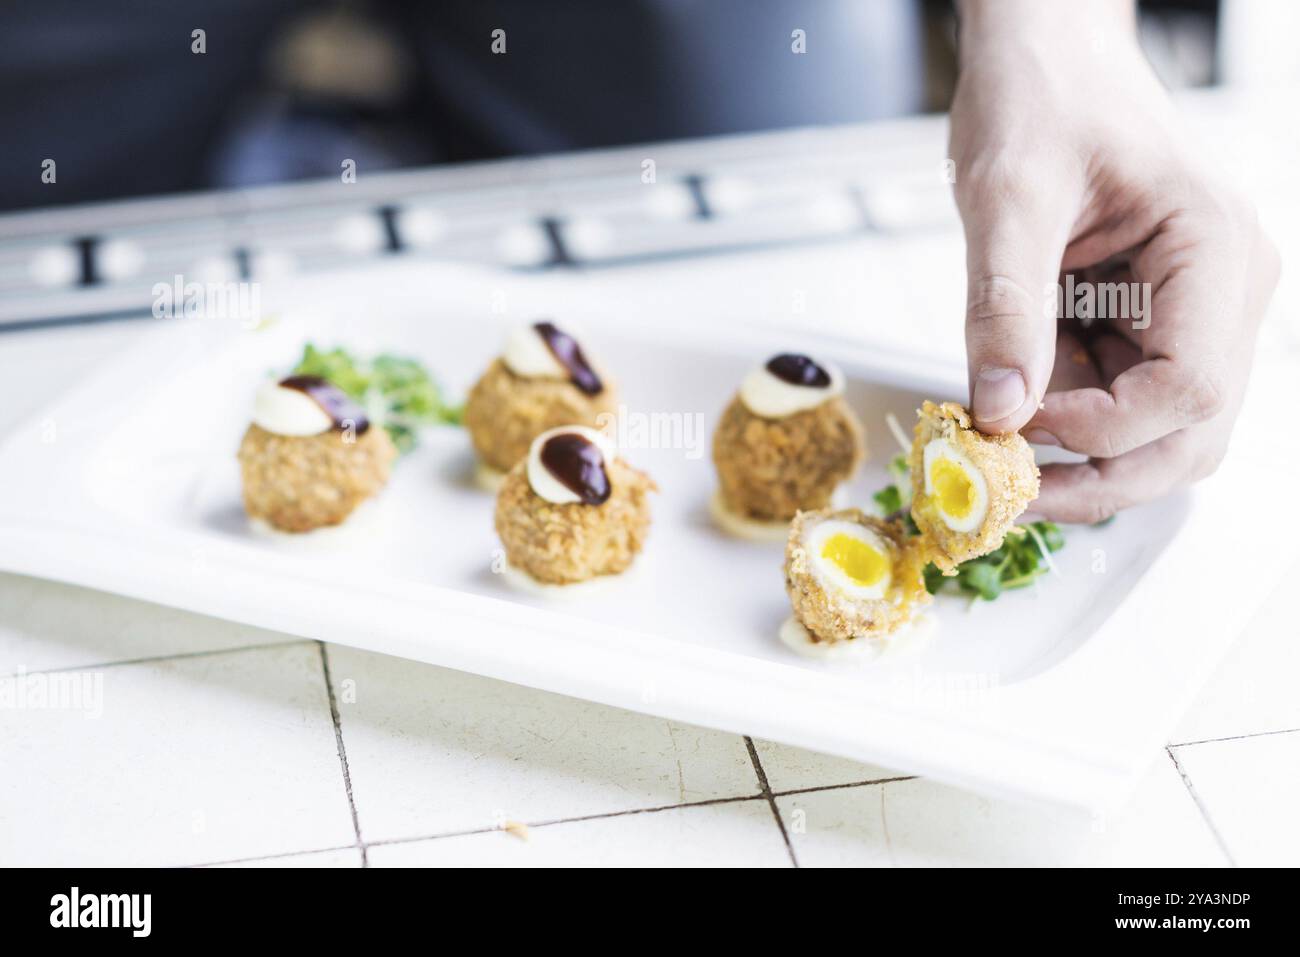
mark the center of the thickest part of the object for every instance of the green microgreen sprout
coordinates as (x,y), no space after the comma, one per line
(397,392)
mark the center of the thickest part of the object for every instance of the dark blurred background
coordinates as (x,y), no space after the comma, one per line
(117,95)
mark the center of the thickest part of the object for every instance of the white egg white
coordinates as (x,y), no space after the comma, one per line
(829,575)
(940,448)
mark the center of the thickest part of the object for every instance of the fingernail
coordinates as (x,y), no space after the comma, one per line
(998,393)
(1028,518)
(1040,437)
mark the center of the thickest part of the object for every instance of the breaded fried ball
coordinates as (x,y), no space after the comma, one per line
(297,483)
(504,412)
(771,468)
(852,576)
(562,544)
(968,488)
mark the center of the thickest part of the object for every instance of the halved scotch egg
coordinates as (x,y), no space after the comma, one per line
(968,488)
(851,576)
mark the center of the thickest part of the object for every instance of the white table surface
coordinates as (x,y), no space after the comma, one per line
(220,743)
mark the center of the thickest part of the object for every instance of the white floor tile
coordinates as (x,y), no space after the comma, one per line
(920,823)
(1254,689)
(343,857)
(734,834)
(46,625)
(1250,789)
(209,758)
(434,751)
(789,768)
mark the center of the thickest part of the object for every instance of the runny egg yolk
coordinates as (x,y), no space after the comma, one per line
(862,563)
(953,488)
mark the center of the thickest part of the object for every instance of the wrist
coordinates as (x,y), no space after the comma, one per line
(1057,29)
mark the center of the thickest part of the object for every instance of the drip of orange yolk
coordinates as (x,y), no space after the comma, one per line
(862,563)
(952,487)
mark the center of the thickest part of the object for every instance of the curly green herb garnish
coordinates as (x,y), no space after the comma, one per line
(396,392)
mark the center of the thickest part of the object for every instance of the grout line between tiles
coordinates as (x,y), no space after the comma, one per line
(766,790)
(1232,737)
(147,659)
(1205,814)
(740,799)
(343,754)
(277,857)
(838,787)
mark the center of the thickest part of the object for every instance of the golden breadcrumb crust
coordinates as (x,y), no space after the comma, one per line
(769,469)
(564,544)
(831,616)
(504,412)
(1007,463)
(298,483)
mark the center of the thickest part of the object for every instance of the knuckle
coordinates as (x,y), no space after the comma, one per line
(1002,181)
(1098,509)
(1202,395)
(1106,446)
(1106,443)
(1207,462)
(1094,495)
(982,175)
(999,172)
(994,297)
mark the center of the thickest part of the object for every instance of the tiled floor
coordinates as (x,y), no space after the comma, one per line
(1249,789)
(432,751)
(199,742)
(920,823)
(227,754)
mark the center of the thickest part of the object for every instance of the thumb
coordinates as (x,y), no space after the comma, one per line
(1013,260)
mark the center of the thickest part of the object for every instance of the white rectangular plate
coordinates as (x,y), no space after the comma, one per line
(1060,692)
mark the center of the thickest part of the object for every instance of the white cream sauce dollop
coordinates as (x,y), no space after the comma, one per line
(771,397)
(286,411)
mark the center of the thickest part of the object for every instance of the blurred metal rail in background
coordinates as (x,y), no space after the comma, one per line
(606,207)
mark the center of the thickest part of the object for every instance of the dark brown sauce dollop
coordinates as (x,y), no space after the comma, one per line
(578,464)
(569,354)
(334,402)
(798,370)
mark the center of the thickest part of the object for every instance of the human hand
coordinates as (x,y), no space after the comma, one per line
(1069,159)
